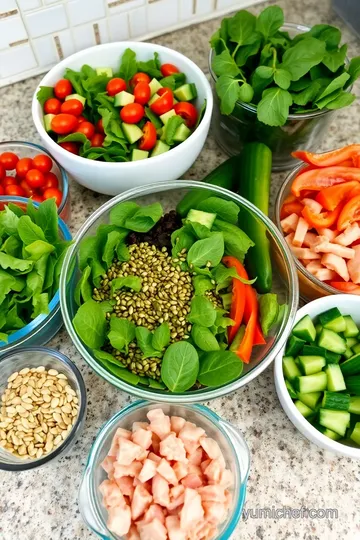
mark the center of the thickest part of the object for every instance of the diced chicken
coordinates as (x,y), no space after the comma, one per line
(176,491)
(140,502)
(130,470)
(159,422)
(126,485)
(324,274)
(289,223)
(176,501)
(336,263)
(154,457)
(196,457)
(192,511)
(180,469)
(112,495)
(190,435)
(330,234)
(177,423)
(214,493)
(174,529)
(204,464)
(350,235)
(164,468)
(133,533)
(173,448)
(314,206)
(309,239)
(354,266)
(128,452)
(140,425)
(119,520)
(161,490)
(214,512)
(228,499)
(304,253)
(227,479)
(322,245)
(214,471)
(154,530)
(155,511)
(289,238)
(108,466)
(211,447)
(300,233)
(148,470)
(313,266)
(143,438)
(193,481)
(155,443)
(175,511)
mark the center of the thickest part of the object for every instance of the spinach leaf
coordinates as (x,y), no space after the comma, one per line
(282,78)
(75,78)
(207,252)
(16,209)
(204,338)
(8,221)
(131,282)
(201,114)
(173,81)
(90,324)
(103,355)
(39,248)
(114,238)
(151,67)
(335,84)
(273,108)
(9,283)
(354,71)
(270,20)
(28,231)
(170,128)
(244,52)
(144,218)
(241,27)
(302,56)
(161,337)
(119,372)
(227,89)
(333,60)
(13,319)
(83,289)
(307,95)
(21,265)
(219,367)
(47,220)
(122,211)
(199,230)
(224,64)
(180,366)
(122,333)
(202,312)
(44,93)
(181,239)
(12,246)
(202,284)
(344,99)
(246,92)
(153,118)
(226,210)
(144,340)
(224,276)
(156,384)
(40,302)
(31,210)
(73,137)
(128,66)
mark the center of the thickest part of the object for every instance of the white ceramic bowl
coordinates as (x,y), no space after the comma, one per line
(348,305)
(114,178)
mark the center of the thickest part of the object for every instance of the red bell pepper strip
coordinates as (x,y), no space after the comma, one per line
(328,159)
(319,179)
(349,213)
(258,334)
(346,287)
(238,296)
(291,208)
(332,196)
(325,219)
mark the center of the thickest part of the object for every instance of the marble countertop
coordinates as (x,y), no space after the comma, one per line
(286,470)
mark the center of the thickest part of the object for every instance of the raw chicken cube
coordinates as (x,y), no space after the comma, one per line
(350,235)
(126,485)
(196,457)
(176,502)
(130,470)
(128,452)
(176,491)
(154,511)
(214,493)
(305,253)
(180,469)
(119,520)
(324,274)
(211,447)
(329,233)
(173,448)
(148,470)
(133,533)
(174,529)
(309,239)
(289,223)
(177,423)
(336,263)
(214,512)
(140,425)
(154,457)
(289,238)
(143,438)
(159,422)
(155,443)
(226,479)
(108,466)
(119,433)
(214,471)
(204,464)
(160,490)
(164,468)
(190,435)
(322,245)
(192,481)
(300,233)
(154,530)
(192,511)
(112,495)
(140,502)
(354,266)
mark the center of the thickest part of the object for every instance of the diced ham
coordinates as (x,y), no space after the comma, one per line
(289,223)
(154,530)
(313,266)
(176,491)
(164,468)
(154,457)
(142,437)
(154,511)
(130,470)
(126,485)
(173,448)
(214,471)
(112,495)
(140,425)
(119,520)
(354,266)
(128,452)
(336,263)
(329,233)
(196,457)
(192,511)
(214,512)
(192,481)
(180,469)
(227,479)
(309,239)
(304,253)
(140,502)
(177,423)
(324,274)
(174,529)
(350,235)
(211,447)
(300,233)
(108,466)
(133,533)
(190,435)
(161,491)
(289,238)
(148,470)
(159,422)
(214,493)
(322,245)
(314,206)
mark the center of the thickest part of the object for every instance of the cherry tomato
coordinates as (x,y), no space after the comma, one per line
(132,113)
(70,147)
(165,102)
(23,166)
(63,88)
(87,128)
(2,191)
(15,190)
(81,119)
(35,178)
(42,163)
(188,112)
(72,106)
(8,160)
(53,193)
(52,106)
(2,171)
(63,124)
(37,197)
(97,139)
(114,86)
(51,180)
(9,181)
(142,93)
(29,192)
(148,140)
(168,69)
(99,126)
(139,77)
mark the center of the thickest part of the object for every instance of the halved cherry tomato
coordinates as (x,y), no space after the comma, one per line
(72,106)
(99,126)
(332,196)
(2,190)
(139,77)
(42,163)
(148,140)
(164,103)
(53,193)
(349,213)
(70,147)
(328,159)
(132,113)
(63,88)
(142,93)
(29,192)
(37,197)
(325,219)
(2,171)
(87,128)
(188,112)
(81,119)
(51,180)
(63,124)
(346,287)
(52,106)
(23,166)
(318,179)
(35,178)
(97,139)
(168,69)
(15,190)
(116,85)
(8,160)
(9,181)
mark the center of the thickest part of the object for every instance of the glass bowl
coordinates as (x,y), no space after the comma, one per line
(284,283)
(304,131)
(26,149)
(45,326)
(31,357)
(230,440)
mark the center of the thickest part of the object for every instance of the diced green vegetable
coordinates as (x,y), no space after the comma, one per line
(337,421)
(335,379)
(303,409)
(311,400)
(336,400)
(355,434)
(305,329)
(351,329)
(333,320)
(310,383)
(291,371)
(351,366)
(311,364)
(294,346)
(354,405)
(332,341)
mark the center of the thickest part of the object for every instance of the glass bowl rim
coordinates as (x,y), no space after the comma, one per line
(208,393)
(54,304)
(203,410)
(64,175)
(33,464)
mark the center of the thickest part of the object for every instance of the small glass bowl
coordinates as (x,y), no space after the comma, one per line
(45,326)
(31,357)
(26,149)
(230,440)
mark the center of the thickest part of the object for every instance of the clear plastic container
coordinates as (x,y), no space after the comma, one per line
(230,440)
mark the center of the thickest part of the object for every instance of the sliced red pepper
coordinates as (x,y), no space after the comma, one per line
(319,179)
(332,196)
(328,159)
(325,219)
(291,208)
(346,287)
(258,334)
(349,213)
(238,296)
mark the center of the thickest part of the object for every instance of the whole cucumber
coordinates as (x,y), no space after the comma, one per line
(254,185)
(225,176)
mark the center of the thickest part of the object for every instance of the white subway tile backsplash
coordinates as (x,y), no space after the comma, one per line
(82,11)
(26,5)
(203,7)
(65,43)
(46,21)
(222,4)
(101,32)
(186,9)
(119,6)
(52,1)
(7,5)
(45,50)
(119,27)
(12,30)
(162,14)
(137,20)
(84,37)
(17,60)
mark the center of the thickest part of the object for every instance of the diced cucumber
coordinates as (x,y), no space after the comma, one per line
(226,300)
(311,383)
(348,353)
(82,99)
(123,98)
(154,86)
(355,435)
(336,400)
(186,92)
(132,132)
(332,358)
(235,344)
(335,379)
(311,364)
(337,421)
(332,341)
(356,348)
(204,218)
(354,406)
(159,148)
(291,371)
(48,118)
(291,390)
(182,133)
(305,329)
(351,329)
(351,366)
(353,385)
(333,320)
(138,155)
(294,346)
(318,328)
(311,400)
(313,350)
(165,117)
(153,98)
(104,71)
(329,433)
(303,409)
(350,341)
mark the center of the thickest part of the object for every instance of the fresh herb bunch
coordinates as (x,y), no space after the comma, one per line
(257,63)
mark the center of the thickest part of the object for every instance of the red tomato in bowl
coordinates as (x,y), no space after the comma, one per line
(52,106)
(8,160)
(87,128)
(139,77)
(116,85)
(142,93)
(51,180)
(53,193)
(188,112)
(132,113)
(70,147)
(97,140)
(29,192)
(63,89)
(42,163)
(148,140)
(63,124)
(23,166)
(168,69)
(165,102)
(35,178)
(72,106)
(15,191)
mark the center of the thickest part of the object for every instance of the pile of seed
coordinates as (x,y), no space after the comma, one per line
(134,361)
(38,410)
